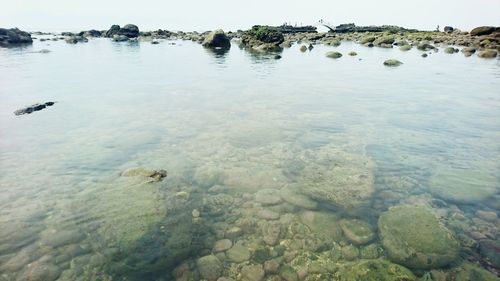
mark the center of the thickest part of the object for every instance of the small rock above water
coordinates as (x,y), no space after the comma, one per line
(334,55)
(392,62)
(217,39)
(32,108)
(14,36)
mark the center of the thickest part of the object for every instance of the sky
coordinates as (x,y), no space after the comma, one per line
(190,15)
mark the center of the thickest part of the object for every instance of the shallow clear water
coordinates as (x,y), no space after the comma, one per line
(240,122)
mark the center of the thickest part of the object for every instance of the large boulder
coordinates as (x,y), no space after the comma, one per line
(463,185)
(112,31)
(414,237)
(14,36)
(129,30)
(483,30)
(217,39)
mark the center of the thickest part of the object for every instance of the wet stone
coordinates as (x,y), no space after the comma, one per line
(238,254)
(357,231)
(350,252)
(252,273)
(268,197)
(40,271)
(487,215)
(272,266)
(271,232)
(222,245)
(56,238)
(414,237)
(210,267)
(297,199)
(288,273)
(233,232)
(268,215)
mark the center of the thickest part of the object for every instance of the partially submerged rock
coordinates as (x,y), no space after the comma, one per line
(263,38)
(488,54)
(129,30)
(414,237)
(217,39)
(113,30)
(32,108)
(14,36)
(392,62)
(155,175)
(333,55)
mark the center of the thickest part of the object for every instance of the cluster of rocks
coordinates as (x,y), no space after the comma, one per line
(262,38)
(32,108)
(14,37)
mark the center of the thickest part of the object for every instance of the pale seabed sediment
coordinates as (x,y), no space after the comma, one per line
(302,168)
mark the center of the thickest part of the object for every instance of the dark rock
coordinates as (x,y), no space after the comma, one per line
(92,33)
(263,38)
(32,108)
(112,31)
(351,27)
(483,30)
(129,30)
(14,36)
(448,29)
(217,39)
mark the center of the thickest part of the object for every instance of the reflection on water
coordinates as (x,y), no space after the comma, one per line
(300,168)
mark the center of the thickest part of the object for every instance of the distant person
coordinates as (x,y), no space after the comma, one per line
(437,28)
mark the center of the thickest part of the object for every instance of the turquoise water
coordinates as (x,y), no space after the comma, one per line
(224,126)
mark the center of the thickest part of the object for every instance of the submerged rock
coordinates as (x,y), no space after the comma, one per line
(268,197)
(414,237)
(14,36)
(323,224)
(334,55)
(210,267)
(346,182)
(392,62)
(252,273)
(297,199)
(463,185)
(374,270)
(217,39)
(156,175)
(357,231)
(238,253)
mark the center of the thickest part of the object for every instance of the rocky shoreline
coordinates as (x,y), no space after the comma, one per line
(484,41)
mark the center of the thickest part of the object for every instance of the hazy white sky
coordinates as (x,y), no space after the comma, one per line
(232,14)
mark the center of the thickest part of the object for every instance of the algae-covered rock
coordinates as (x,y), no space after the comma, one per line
(392,62)
(334,55)
(268,197)
(217,39)
(357,231)
(210,267)
(324,224)
(155,175)
(488,54)
(374,270)
(450,50)
(472,272)
(405,47)
(344,181)
(414,237)
(463,185)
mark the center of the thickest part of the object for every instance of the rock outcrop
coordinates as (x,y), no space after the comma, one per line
(14,36)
